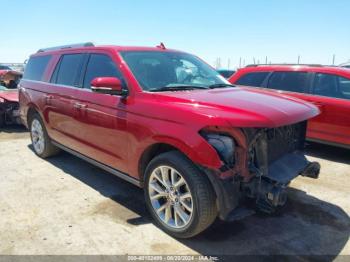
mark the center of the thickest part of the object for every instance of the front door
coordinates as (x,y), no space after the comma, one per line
(101,119)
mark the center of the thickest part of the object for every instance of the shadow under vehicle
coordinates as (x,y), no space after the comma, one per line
(307,229)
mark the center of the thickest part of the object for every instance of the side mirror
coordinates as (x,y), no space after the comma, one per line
(108,85)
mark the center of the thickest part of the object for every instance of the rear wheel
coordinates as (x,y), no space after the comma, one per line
(179,197)
(40,140)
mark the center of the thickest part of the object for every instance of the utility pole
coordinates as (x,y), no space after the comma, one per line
(298,59)
(240,62)
(228,63)
(266,60)
(254,60)
(333,59)
(219,63)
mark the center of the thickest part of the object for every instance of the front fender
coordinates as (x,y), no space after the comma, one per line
(197,150)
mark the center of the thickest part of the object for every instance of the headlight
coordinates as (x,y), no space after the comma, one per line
(224,146)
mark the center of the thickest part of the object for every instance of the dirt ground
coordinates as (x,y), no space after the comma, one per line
(64,205)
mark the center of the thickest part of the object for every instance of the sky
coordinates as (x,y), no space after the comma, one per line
(231,30)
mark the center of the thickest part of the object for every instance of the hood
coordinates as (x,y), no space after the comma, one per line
(242,107)
(11,96)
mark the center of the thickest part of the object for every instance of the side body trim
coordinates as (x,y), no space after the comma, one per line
(100,165)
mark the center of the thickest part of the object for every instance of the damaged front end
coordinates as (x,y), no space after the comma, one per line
(9,112)
(275,158)
(264,165)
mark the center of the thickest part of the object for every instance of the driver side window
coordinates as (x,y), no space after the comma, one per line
(100,65)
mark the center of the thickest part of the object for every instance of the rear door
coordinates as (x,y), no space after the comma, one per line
(60,101)
(101,119)
(332,94)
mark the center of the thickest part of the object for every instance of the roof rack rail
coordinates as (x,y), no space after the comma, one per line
(65,47)
(281,64)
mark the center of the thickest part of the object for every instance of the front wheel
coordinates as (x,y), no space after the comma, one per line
(179,197)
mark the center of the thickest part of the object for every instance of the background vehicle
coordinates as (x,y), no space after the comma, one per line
(9,79)
(4,67)
(227,73)
(166,121)
(327,87)
(347,65)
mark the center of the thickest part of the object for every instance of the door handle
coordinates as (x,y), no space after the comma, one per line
(79,106)
(48,99)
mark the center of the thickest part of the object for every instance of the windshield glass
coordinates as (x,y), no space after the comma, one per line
(156,70)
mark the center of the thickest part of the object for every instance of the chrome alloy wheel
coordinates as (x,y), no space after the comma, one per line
(171,197)
(38,138)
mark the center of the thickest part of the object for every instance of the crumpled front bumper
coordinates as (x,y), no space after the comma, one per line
(268,190)
(290,166)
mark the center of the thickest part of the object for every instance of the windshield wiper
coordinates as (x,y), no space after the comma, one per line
(176,88)
(220,86)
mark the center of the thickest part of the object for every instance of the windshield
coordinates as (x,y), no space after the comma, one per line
(156,70)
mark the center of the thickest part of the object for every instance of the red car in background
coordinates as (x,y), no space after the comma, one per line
(9,80)
(328,87)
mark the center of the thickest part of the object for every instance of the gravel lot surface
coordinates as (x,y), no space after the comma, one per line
(64,205)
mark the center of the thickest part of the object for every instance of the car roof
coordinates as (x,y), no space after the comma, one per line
(298,68)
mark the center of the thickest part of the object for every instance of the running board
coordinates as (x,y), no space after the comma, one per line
(109,169)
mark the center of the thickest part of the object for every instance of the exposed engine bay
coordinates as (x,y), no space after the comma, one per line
(9,113)
(275,158)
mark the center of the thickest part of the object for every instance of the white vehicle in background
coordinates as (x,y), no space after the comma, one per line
(347,65)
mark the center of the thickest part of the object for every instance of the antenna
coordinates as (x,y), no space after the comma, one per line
(161,46)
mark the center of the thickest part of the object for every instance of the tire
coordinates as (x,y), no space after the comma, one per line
(2,120)
(202,201)
(41,142)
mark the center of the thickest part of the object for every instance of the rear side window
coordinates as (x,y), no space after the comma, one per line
(35,67)
(100,65)
(331,86)
(289,81)
(344,87)
(68,70)
(252,79)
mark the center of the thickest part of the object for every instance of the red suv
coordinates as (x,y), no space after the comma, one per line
(327,87)
(166,121)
